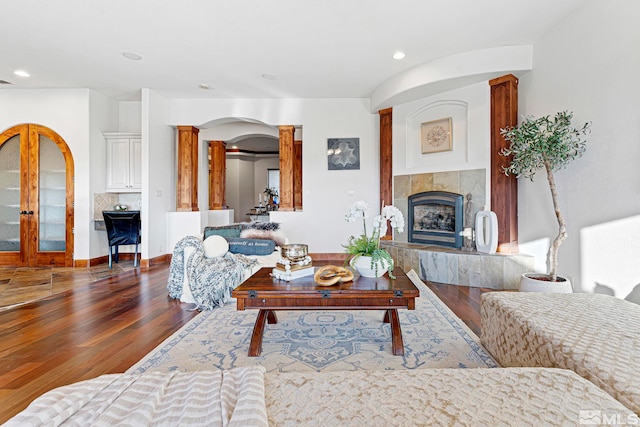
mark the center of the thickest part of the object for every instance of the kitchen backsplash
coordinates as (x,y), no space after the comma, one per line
(107,201)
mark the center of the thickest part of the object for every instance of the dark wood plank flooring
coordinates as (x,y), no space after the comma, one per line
(98,328)
(107,326)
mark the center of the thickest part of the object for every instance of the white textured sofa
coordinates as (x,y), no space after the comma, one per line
(596,336)
(204,270)
(518,328)
(250,397)
(261,261)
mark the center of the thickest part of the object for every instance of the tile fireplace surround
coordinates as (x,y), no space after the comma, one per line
(449,265)
(457,267)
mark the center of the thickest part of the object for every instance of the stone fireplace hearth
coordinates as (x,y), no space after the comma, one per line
(455,267)
(436,262)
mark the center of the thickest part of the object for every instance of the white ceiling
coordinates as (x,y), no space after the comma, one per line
(316,49)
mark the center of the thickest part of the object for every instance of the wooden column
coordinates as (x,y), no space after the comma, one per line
(187,191)
(386,159)
(504,189)
(287,157)
(217,174)
(297,175)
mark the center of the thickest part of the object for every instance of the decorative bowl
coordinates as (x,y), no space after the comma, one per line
(295,252)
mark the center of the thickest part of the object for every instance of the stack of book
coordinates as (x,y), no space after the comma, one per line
(292,271)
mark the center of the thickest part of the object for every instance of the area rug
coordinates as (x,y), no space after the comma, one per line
(433,337)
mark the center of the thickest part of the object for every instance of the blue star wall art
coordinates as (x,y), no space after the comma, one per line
(343,153)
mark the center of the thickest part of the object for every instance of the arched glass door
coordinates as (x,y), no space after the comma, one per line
(36,198)
(10,197)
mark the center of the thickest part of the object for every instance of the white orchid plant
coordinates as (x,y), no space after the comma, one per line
(370,245)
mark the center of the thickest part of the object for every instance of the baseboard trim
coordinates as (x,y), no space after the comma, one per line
(145,264)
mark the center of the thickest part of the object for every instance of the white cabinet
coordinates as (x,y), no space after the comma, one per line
(124,162)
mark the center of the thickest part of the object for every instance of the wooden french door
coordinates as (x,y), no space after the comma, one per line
(36,198)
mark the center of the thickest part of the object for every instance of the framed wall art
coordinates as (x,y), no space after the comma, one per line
(435,136)
(343,153)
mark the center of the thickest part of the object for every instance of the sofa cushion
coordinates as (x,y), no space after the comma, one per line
(276,235)
(263,225)
(231,230)
(251,246)
(215,246)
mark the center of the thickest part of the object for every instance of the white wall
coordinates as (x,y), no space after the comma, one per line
(326,194)
(260,181)
(232,185)
(470,108)
(589,63)
(240,193)
(158,174)
(103,116)
(66,111)
(246,189)
(129,116)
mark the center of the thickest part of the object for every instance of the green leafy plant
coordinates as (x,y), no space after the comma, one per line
(550,144)
(270,192)
(365,245)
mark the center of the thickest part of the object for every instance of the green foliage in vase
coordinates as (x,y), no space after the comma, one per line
(270,192)
(365,245)
(550,144)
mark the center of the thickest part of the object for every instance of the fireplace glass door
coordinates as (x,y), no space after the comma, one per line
(435,218)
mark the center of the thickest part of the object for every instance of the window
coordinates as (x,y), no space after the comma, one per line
(273,180)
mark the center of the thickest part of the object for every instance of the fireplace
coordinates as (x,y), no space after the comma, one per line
(436,218)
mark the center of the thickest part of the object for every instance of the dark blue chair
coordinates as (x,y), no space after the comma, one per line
(123,228)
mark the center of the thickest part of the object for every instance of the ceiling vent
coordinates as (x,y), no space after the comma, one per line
(4,82)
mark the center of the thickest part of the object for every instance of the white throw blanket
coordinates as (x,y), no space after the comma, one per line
(211,280)
(230,398)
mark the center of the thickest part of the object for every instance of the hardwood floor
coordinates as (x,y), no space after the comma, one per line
(464,301)
(22,284)
(96,328)
(108,325)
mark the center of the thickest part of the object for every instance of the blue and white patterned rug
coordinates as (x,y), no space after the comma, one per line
(433,337)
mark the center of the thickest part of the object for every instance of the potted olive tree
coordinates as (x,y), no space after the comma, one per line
(550,144)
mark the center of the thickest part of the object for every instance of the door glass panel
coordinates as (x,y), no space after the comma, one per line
(53,197)
(10,195)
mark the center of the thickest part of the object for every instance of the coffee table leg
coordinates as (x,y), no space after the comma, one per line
(255,347)
(271,317)
(396,334)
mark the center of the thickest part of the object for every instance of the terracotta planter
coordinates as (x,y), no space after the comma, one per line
(363,266)
(535,282)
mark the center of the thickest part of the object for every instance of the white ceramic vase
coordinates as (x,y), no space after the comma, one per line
(530,283)
(362,264)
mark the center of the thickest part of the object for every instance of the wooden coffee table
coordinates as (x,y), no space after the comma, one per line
(263,292)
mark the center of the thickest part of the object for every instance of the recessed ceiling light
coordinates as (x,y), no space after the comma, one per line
(132,56)
(204,86)
(21,73)
(269,76)
(398,55)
